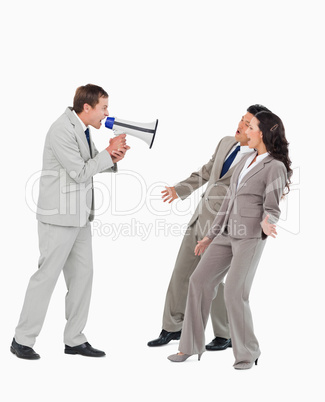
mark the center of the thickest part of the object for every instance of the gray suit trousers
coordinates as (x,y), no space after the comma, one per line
(238,258)
(176,296)
(66,249)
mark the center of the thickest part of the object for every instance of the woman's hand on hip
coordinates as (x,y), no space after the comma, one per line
(268,228)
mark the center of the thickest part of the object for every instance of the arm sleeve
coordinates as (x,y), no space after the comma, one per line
(196,179)
(66,150)
(276,182)
(220,218)
(112,169)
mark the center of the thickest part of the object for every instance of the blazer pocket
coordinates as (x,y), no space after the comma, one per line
(217,205)
(251,212)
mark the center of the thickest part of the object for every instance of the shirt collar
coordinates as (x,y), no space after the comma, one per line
(245,149)
(261,157)
(81,122)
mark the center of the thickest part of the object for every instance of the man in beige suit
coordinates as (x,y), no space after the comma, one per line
(65,210)
(216,173)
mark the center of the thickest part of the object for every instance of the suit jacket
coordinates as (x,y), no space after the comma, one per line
(258,195)
(216,189)
(66,185)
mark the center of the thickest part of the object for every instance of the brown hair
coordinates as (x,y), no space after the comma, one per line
(89,94)
(275,140)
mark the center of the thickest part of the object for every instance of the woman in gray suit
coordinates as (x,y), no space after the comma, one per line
(236,241)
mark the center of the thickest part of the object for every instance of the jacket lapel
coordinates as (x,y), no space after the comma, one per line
(78,128)
(252,172)
(220,161)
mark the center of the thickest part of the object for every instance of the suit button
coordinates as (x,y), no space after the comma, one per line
(207,199)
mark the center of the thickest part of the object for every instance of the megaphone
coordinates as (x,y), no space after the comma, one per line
(144,131)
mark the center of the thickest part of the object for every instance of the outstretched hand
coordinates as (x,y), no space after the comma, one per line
(268,228)
(169,194)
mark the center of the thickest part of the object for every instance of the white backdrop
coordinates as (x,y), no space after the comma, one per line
(195,66)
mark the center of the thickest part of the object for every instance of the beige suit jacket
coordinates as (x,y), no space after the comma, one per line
(66,185)
(216,189)
(258,195)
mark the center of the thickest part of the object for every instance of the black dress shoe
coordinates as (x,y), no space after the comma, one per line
(85,349)
(165,337)
(23,352)
(219,344)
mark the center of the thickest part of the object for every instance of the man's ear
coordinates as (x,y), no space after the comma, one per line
(86,107)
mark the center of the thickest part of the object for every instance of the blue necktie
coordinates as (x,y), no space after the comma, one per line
(229,161)
(87,136)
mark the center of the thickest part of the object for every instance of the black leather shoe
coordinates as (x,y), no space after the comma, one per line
(85,349)
(23,352)
(219,344)
(165,337)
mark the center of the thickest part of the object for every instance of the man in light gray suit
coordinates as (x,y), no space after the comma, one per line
(65,210)
(217,174)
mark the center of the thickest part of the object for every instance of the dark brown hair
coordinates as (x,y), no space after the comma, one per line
(275,140)
(89,94)
(253,109)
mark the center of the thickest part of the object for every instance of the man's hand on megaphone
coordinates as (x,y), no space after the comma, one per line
(169,194)
(116,144)
(119,155)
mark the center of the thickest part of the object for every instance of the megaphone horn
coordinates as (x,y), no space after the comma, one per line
(144,131)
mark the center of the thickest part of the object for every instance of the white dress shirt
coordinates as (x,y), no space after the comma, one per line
(249,167)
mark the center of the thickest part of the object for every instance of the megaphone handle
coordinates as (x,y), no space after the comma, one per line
(117,132)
